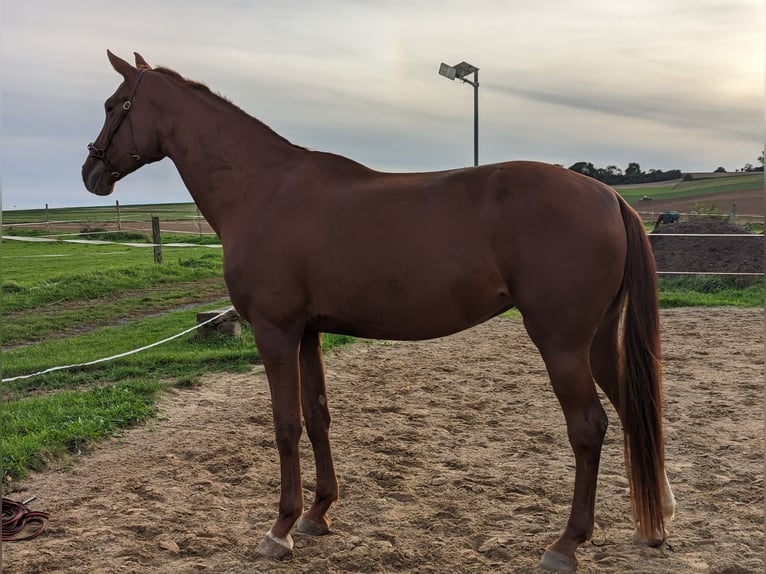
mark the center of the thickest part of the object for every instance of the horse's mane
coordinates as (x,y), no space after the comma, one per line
(191,83)
(207,91)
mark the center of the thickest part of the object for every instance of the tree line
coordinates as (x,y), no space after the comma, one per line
(613,175)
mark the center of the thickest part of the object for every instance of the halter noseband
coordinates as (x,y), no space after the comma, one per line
(100,152)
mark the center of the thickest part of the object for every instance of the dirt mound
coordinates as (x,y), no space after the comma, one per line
(728,252)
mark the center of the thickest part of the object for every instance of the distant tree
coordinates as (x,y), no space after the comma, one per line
(585,168)
(720,170)
(748,167)
(633,173)
(633,169)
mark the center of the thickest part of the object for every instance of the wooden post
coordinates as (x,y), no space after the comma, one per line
(47,219)
(156,239)
(199,222)
(733,214)
(119,223)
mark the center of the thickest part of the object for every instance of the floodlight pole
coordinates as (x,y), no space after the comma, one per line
(460,71)
(475,85)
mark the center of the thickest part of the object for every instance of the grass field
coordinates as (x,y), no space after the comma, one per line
(65,303)
(165,211)
(694,188)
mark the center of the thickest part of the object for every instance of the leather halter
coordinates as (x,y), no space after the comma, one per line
(100,152)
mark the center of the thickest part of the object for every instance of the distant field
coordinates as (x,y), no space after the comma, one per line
(694,188)
(745,190)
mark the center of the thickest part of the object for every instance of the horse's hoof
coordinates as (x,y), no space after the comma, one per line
(654,541)
(311,527)
(556,562)
(274,547)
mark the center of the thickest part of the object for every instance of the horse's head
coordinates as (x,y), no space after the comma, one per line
(128,138)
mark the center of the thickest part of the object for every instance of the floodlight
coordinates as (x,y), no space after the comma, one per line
(447,71)
(460,71)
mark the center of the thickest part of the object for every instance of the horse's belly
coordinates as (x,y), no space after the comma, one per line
(412,311)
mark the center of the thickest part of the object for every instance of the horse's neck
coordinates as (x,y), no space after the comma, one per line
(219,151)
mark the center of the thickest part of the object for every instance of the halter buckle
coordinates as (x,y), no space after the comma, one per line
(96,152)
(126,105)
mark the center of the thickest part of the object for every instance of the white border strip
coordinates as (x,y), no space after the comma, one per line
(125,354)
(724,235)
(754,274)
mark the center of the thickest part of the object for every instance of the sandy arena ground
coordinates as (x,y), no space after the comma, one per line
(452,457)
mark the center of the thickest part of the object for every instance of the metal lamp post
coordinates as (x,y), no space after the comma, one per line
(460,71)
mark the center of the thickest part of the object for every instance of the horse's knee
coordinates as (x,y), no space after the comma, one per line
(287,436)
(318,427)
(587,428)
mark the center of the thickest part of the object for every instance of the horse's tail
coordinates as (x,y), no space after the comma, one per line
(641,381)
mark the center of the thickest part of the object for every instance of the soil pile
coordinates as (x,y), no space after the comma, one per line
(721,254)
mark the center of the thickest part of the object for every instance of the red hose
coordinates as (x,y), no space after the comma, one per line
(20,523)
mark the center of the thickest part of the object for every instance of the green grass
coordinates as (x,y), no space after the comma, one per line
(54,321)
(710,291)
(36,430)
(693,188)
(38,274)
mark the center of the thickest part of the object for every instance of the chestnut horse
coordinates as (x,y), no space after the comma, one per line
(314,242)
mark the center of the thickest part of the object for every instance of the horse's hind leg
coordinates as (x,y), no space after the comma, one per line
(604,357)
(586,425)
(317,418)
(565,350)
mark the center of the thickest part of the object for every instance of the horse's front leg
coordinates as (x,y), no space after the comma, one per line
(279,353)
(317,417)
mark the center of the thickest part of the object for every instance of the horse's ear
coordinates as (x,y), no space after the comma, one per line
(141,64)
(123,68)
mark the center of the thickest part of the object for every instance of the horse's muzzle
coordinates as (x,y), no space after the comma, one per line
(97,177)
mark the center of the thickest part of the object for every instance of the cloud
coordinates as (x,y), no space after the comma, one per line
(677,110)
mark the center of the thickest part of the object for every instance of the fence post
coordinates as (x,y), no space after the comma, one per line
(47,219)
(733,214)
(119,223)
(199,222)
(156,239)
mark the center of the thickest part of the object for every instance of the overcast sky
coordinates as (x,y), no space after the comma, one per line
(665,83)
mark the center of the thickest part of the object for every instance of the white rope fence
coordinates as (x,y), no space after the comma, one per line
(125,354)
(102,242)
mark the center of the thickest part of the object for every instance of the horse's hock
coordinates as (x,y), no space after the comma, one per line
(227,321)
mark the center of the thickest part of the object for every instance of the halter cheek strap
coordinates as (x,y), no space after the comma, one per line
(100,152)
